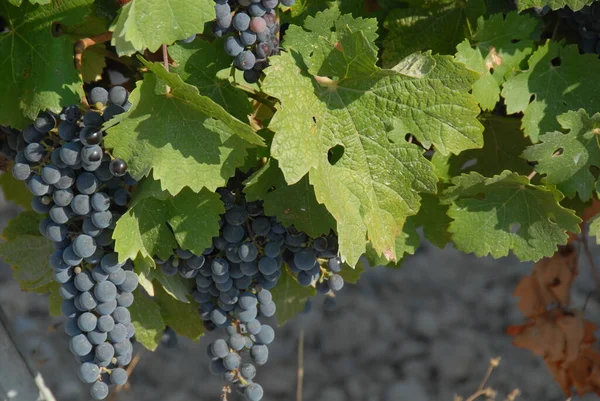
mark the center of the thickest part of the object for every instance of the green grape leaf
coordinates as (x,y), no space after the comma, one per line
(28,253)
(199,63)
(406,244)
(507,213)
(579,151)
(433,217)
(15,191)
(291,204)
(574,5)
(438,26)
(337,132)
(154,227)
(594,228)
(290,297)
(19,2)
(497,49)
(147,24)
(54,300)
(29,257)
(143,267)
(351,275)
(559,79)
(26,223)
(176,286)
(503,144)
(184,138)
(147,320)
(37,67)
(181,317)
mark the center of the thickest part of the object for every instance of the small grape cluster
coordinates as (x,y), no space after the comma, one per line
(587,24)
(255,32)
(83,191)
(233,278)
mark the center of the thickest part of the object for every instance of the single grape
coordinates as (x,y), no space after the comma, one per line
(335,282)
(219,348)
(118,167)
(288,3)
(90,136)
(105,323)
(89,372)
(81,204)
(258,24)
(99,390)
(102,219)
(241,21)
(245,60)
(34,152)
(251,76)
(233,46)
(100,201)
(232,361)
(91,154)
(21,171)
(254,392)
(87,321)
(87,183)
(44,122)
(119,95)
(105,291)
(98,95)
(80,345)
(259,354)
(118,376)
(118,333)
(31,135)
(266,335)
(257,10)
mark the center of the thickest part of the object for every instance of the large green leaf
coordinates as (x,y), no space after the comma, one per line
(147,24)
(15,191)
(206,65)
(507,213)
(147,320)
(496,50)
(338,130)
(290,297)
(184,138)
(574,5)
(37,68)
(154,227)
(579,152)
(429,25)
(292,204)
(181,317)
(503,144)
(559,79)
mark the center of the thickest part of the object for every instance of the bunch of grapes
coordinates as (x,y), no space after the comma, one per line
(252,31)
(83,191)
(587,24)
(233,278)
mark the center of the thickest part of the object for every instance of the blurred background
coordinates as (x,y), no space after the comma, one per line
(424,331)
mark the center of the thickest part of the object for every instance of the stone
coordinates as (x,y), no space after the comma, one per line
(409,389)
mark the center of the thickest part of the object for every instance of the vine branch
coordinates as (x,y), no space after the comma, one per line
(84,43)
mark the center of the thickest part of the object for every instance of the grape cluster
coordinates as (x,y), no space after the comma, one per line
(254,32)
(83,192)
(233,278)
(587,24)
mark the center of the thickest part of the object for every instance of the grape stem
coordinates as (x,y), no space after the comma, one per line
(165,54)
(84,43)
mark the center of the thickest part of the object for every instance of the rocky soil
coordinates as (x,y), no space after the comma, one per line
(422,332)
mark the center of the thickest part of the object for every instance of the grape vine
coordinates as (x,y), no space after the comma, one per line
(227,160)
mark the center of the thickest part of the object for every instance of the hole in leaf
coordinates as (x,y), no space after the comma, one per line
(491,70)
(515,40)
(558,152)
(555,282)
(514,227)
(532,98)
(552,220)
(3,25)
(479,196)
(56,29)
(556,61)
(468,164)
(335,154)
(314,119)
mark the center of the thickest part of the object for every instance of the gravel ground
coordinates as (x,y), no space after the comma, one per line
(423,332)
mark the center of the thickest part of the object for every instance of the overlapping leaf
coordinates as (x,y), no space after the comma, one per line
(497,49)
(156,223)
(290,297)
(337,131)
(291,204)
(574,5)
(429,25)
(566,160)
(15,191)
(206,65)
(181,317)
(503,144)
(37,68)
(185,138)
(147,24)
(508,214)
(147,320)
(28,253)
(559,79)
